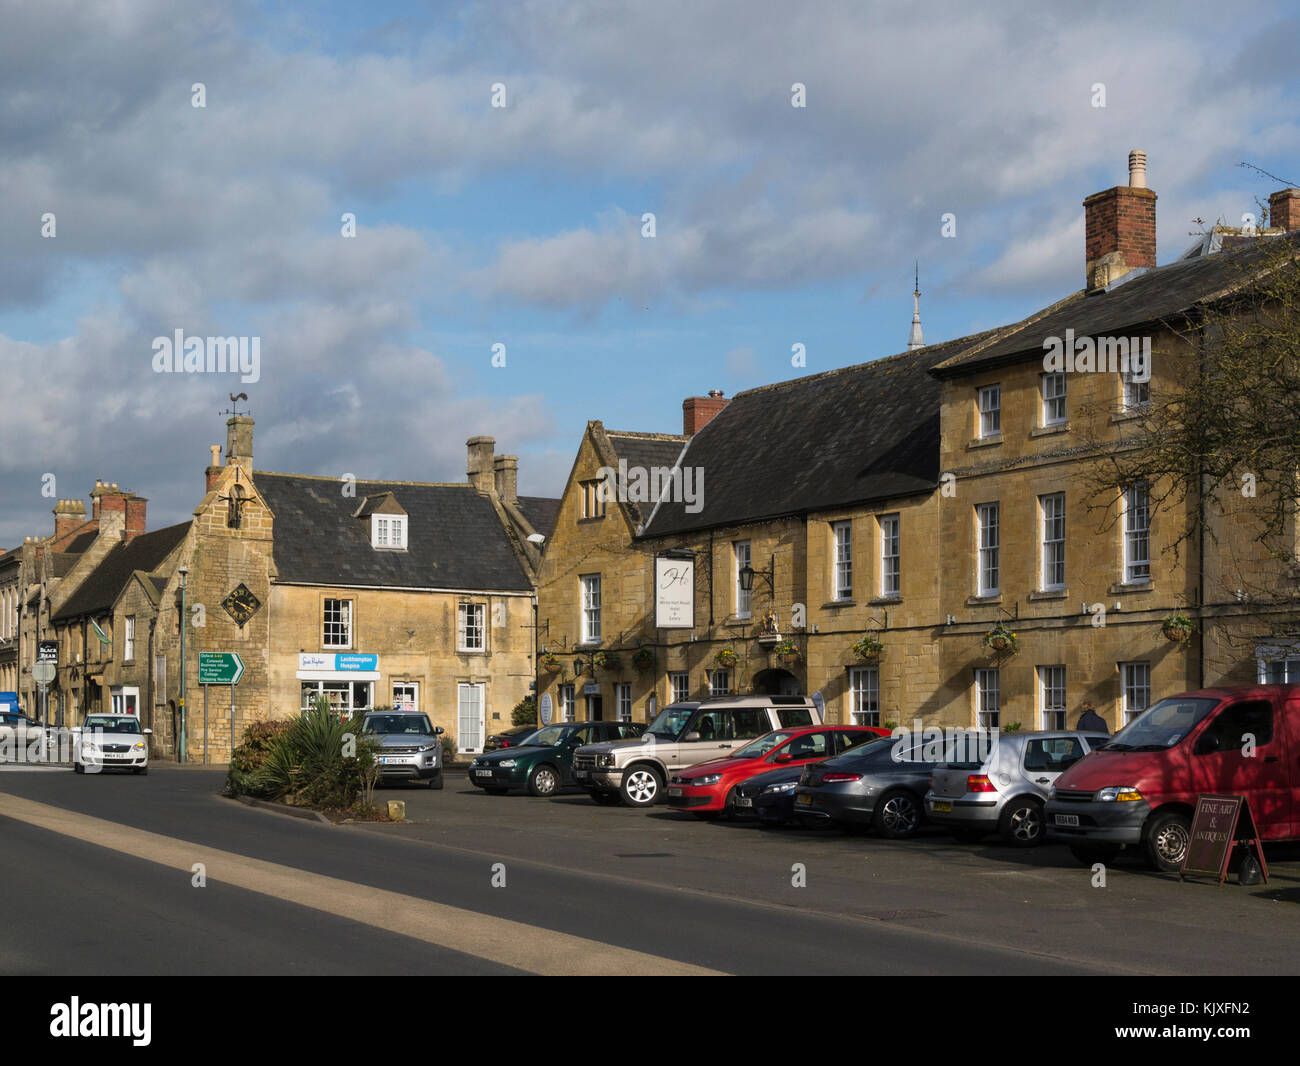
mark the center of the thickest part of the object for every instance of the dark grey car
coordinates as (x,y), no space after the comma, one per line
(881,784)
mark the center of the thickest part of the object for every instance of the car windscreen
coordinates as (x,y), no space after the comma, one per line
(548,737)
(416,725)
(125,724)
(960,749)
(758,748)
(1162,725)
(670,722)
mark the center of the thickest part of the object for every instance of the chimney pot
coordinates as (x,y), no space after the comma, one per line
(699,411)
(1137,169)
(1120,228)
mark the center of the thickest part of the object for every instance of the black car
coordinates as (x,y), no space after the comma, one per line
(508,738)
(881,784)
(544,764)
(769,797)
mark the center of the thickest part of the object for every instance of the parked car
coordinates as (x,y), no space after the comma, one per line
(544,763)
(410,748)
(508,738)
(769,797)
(110,742)
(705,789)
(1003,782)
(1140,790)
(682,735)
(881,784)
(17,730)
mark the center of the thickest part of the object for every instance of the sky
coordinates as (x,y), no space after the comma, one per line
(128,213)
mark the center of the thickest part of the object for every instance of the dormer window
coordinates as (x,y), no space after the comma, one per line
(388,531)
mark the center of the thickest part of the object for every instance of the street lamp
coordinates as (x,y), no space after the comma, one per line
(184,572)
(748,573)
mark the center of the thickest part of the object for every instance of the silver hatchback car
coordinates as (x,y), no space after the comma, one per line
(998,782)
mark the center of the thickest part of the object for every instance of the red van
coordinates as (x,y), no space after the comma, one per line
(1141,787)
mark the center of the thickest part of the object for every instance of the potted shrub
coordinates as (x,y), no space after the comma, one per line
(643,659)
(1178,628)
(788,651)
(726,658)
(550,662)
(869,649)
(606,660)
(1001,640)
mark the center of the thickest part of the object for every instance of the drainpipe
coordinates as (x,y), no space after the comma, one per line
(183,571)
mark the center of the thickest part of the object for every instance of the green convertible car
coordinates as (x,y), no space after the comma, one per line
(543,762)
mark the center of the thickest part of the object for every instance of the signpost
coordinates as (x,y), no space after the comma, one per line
(1220,824)
(219,668)
(43,671)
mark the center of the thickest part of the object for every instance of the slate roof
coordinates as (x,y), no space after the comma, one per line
(1156,295)
(455,540)
(646,449)
(842,437)
(95,594)
(541,512)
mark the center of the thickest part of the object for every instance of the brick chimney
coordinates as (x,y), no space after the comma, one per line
(1284,210)
(136,507)
(698,411)
(68,515)
(1120,226)
(479,471)
(505,469)
(214,467)
(239,441)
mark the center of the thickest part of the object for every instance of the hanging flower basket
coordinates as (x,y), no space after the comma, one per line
(1001,641)
(606,660)
(869,649)
(1178,628)
(788,652)
(551,663)
(726,658)
(643,659)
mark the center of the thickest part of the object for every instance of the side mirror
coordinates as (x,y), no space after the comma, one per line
(148,732)
(690,738)
(785,756)
(438,731)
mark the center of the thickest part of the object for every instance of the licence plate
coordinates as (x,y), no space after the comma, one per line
(674,792)
(744,801)
(804,799)
(1067,819)
(579,774)
(113,755)
(482,773)
(943,806)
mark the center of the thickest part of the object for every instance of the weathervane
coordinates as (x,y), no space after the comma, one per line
(234,403)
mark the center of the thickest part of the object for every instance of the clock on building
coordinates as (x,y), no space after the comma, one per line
(241,604)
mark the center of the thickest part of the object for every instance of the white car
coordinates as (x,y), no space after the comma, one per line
(108,741)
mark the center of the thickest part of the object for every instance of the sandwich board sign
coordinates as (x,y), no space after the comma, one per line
(1220,824)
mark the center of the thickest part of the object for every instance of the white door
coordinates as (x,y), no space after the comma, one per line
(469,731)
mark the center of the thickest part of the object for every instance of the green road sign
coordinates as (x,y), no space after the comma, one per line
(220,668)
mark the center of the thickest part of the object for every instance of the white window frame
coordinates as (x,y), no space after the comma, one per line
(743,556)
(842,545)
(679,686)
(1137,394)
(568,703)
(388,531)
(1053,391)
(346,702)
(988,698)
(593,498)
(128,639)
(590,586)
(119,695)
(1051,697)
(1051,527)
(864,695)
(623,700)
(1137,534)
(989,406)
(891,561)
(1135,680)
(988,570)
(414,687)
(344,621)
(464,689)
(719,682)
(465,631)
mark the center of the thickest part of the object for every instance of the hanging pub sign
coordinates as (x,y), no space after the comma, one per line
(1220,824)
(674,592)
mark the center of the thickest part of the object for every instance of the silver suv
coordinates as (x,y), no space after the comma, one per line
(993,781)
(409,746)
(682,735)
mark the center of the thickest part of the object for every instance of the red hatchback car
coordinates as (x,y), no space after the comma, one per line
(705,788)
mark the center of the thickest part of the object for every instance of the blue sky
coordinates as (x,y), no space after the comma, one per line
(521,225)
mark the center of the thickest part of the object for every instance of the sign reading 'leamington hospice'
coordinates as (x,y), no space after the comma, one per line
(674,593)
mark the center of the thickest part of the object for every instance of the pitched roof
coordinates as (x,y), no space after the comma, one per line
(455,539)
(845,436)
(95,595)
(646,450)
(1155,295)
(541,512)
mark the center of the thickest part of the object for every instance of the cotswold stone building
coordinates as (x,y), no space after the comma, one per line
(922,500)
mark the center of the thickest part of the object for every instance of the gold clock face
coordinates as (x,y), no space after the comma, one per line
(241,604)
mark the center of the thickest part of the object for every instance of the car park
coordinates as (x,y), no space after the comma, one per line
(705,789)
(544,763)
(1141,789)
(881,784)
(110,742)
(999,782)
(409,746)
(683,734)
(508,738)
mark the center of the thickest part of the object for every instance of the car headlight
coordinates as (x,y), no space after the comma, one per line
(1120,794)
(138,746)
(88,745)
(707,779)
(1051,793)
(507,764)
(789,786)
(604,760)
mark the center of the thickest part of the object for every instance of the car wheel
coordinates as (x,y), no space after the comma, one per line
(77,768)
(897,815)
(641,786)
(605,799)
(1090,853)
(435,782)
(1165,841)
(1021,824)
(543,781)
(968,836)
(496,791)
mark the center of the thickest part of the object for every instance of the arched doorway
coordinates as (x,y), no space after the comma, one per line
(776,682)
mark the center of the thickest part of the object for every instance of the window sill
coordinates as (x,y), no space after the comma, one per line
(991,600)
(885,601)
(839,603)
(591,518)
(1129,416)
(1049,594)
(471,651)
(1122,589)
(1050,431)
(984,442)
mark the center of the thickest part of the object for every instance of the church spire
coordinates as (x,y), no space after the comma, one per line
(916,341)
